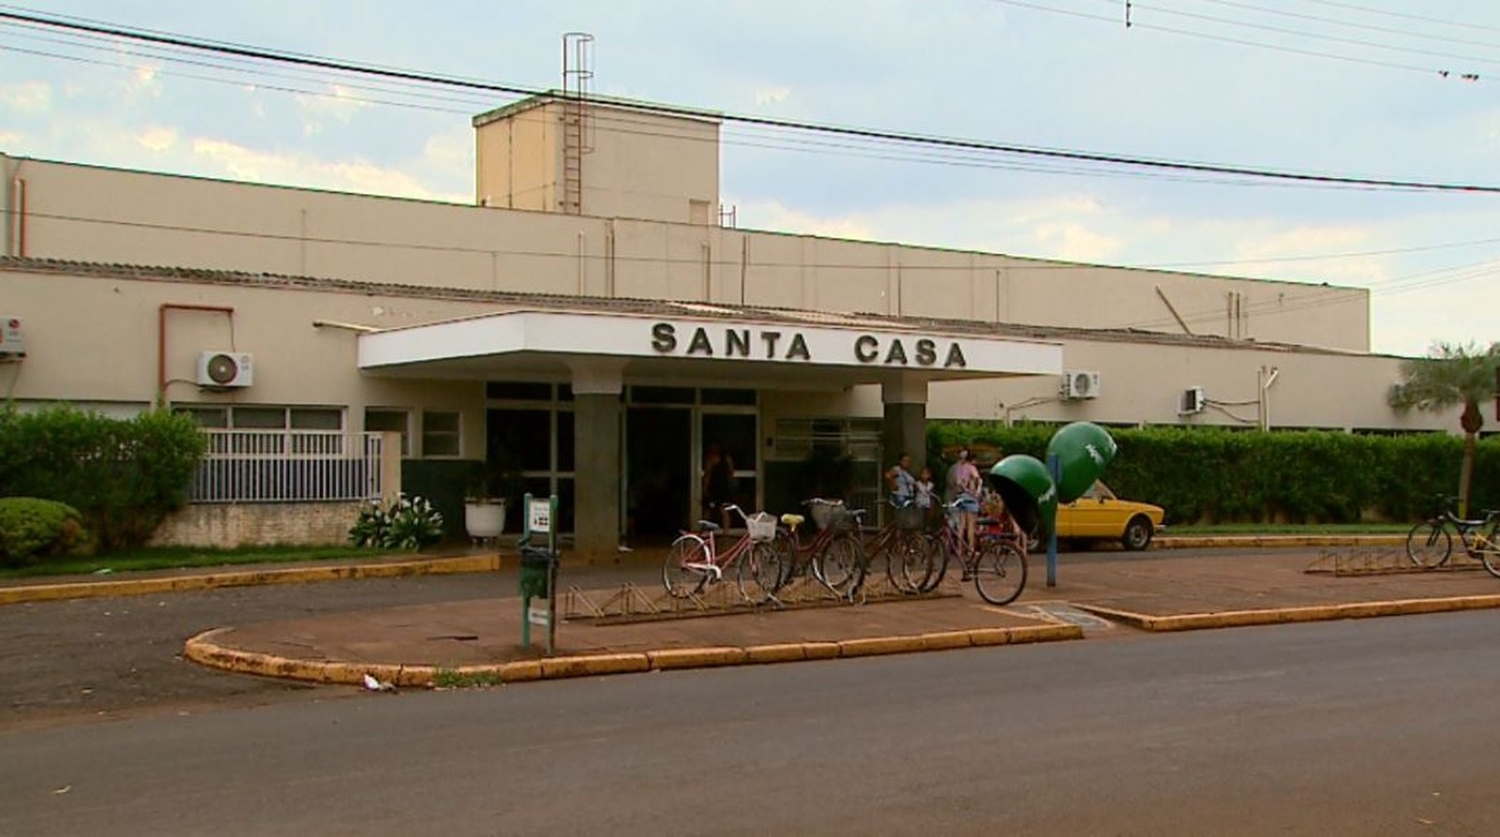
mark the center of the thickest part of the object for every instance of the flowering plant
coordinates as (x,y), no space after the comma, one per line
(409,524)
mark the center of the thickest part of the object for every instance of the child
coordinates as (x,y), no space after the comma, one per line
(925,495)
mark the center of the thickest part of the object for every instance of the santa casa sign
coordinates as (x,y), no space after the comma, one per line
(776,345)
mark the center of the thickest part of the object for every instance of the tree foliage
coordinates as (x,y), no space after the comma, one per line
(1451,376)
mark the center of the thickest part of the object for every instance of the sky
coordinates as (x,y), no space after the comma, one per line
(1376,89)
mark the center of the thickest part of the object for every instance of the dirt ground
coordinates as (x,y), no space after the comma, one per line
(100,658)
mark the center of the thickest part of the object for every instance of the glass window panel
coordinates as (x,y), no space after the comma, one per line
(520,439)
(440,435)
(661,395)
(317,418)
(735,434)
(259,418)
(745,397)
(517,391)
(214,417)
(565,443)
(390,421)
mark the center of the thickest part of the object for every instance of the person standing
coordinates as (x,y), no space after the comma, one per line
(718,484)
(926,496)
(902,484)
(965,484)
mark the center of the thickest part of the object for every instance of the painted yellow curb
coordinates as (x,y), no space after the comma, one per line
(820,650)
(205,650)
(670,658)
(872,646)
(245,578)
(1311,613)
(784,652)
(594,664)
(989,636)
(945,640)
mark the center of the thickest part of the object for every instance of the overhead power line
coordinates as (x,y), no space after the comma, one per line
(931,141)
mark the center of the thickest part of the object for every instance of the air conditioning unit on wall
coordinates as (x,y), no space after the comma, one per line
(1078,385)
(225,370)
(1192,402)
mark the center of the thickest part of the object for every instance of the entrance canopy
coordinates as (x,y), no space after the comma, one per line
(793,350)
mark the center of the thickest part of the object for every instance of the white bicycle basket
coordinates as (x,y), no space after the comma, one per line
(762,526)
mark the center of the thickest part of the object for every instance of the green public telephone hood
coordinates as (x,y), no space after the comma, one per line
(1031,498)
(1083,451)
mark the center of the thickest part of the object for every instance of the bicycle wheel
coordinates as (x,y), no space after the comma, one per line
(999,572)
(840,565)
(760,572)
(686,569)
(938,556)
(1489,550)
(908,563)
(1429,544)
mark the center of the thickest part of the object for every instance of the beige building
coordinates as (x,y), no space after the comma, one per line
(590,325)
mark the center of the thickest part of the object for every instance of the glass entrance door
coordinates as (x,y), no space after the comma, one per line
(658,472)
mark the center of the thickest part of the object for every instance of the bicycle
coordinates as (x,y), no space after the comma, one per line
(694,561)
(996,563)
(834,555)
(909,563)
(1429,544)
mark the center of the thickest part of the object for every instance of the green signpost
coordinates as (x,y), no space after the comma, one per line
(539,568)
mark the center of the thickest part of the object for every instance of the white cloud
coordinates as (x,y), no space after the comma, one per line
(11,138)
(144,81)
(774,95)
(26,96)
(226,159)
(157,138)
(338,104)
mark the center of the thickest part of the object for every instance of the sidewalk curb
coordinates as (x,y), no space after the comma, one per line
(205,650)
(246,578)
(1278,616)
(1273,541)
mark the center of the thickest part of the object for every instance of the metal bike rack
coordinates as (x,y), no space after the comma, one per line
(629,603)
(1364,560)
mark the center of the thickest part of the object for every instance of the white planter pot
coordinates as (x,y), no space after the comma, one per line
(484,520)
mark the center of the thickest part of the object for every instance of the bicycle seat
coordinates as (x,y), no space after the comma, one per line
(857,512)
(792,519)
(708,526)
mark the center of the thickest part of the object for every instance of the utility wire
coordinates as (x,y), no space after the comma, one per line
(799,125)
(1368,27)
(1374,62)
(1281,30)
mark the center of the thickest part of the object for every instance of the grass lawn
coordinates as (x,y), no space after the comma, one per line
(177,557)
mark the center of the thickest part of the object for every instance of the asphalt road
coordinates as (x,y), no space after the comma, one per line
(1368,727)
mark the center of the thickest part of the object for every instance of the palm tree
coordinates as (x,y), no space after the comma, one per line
(1451,375)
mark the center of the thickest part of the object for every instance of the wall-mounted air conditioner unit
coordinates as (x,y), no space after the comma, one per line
(1192,401)
(1078,385)
(11,342)
(225,369)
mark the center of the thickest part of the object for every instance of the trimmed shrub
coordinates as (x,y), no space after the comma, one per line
(1216,475)
(33,530)
(123,476)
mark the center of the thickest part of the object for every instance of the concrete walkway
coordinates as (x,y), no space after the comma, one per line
(479,642)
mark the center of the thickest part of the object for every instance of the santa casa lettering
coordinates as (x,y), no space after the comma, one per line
(767,344)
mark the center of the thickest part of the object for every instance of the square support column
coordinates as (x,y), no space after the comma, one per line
(596,446)
(905,426)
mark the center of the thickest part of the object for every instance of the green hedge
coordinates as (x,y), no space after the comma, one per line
(123,476)
(33,530)
(1213,475)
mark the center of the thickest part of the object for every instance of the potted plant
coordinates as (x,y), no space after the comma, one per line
(484,510)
